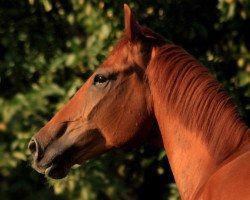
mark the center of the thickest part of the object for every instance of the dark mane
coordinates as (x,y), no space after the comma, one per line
(145,35)
(187,91)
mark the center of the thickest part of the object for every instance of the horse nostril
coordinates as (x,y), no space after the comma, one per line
(32,146)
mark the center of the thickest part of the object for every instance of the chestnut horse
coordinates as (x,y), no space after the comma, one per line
(149,84)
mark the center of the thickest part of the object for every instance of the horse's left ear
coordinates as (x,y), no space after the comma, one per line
(132,28)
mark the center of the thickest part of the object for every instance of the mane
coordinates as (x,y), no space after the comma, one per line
(145,34)
(187,91)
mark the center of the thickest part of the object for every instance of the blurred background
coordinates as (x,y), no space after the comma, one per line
(47,50)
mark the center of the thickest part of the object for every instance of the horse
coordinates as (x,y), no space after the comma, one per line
(149,89)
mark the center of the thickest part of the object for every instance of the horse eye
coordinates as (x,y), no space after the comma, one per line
(100,79)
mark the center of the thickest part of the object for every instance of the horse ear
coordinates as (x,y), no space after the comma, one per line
(131,25)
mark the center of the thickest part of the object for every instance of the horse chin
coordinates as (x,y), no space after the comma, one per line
(56,171)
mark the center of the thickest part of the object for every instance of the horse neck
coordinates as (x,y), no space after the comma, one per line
(198,122)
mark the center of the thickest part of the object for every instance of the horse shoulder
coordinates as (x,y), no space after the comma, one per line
(231,181)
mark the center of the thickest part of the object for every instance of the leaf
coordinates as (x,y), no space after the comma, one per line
(19,155)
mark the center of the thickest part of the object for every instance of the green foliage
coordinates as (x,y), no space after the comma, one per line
(48,49)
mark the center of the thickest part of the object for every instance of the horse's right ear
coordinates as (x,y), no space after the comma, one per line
(131,26)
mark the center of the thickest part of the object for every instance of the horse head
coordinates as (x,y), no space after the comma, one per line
(113,109)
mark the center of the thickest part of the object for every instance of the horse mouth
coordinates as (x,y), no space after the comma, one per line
(57,160)
(57,168)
